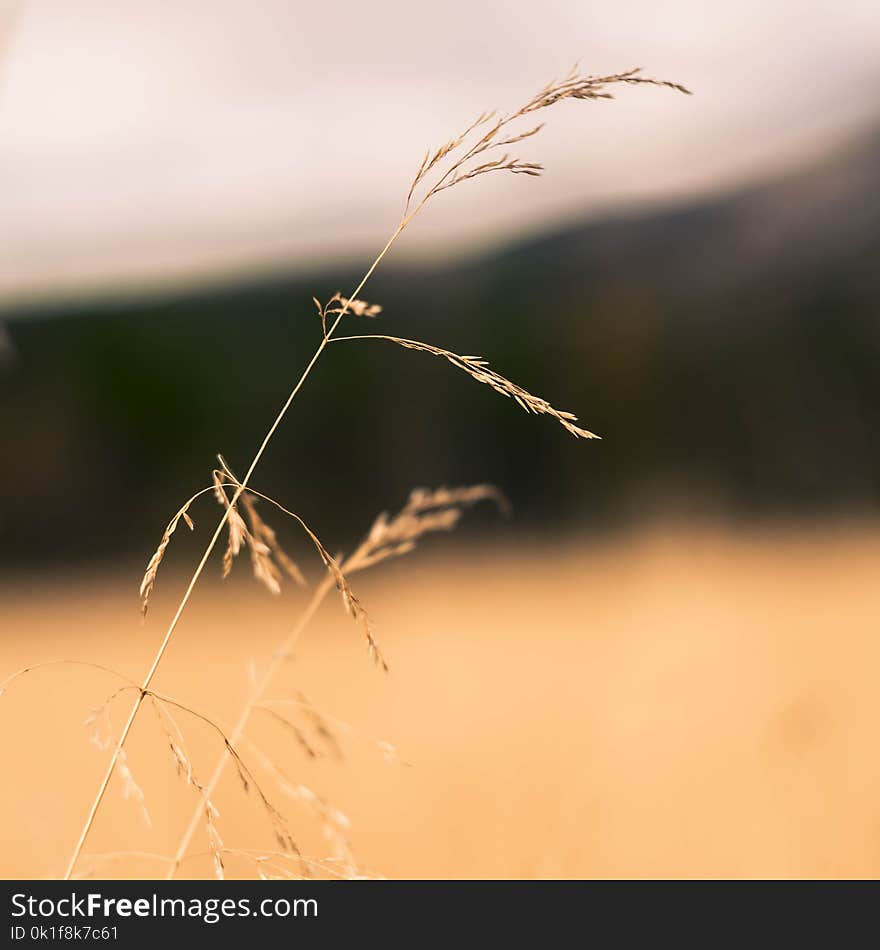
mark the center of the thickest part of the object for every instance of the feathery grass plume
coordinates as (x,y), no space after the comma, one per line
(238,534)
(334,824)
(149,579)
(353,607)
(261,538)
(183,764)
(452,164)
(246,777)
(478,368)
(258,537)
(425,511)
(573,86)
(356,611)
(301,706)
(265,535)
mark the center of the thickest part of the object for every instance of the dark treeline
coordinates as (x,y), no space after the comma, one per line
(727,350)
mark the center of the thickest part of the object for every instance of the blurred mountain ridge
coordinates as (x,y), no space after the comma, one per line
(726,349)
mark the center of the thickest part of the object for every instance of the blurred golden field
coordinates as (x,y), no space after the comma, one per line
(687,702)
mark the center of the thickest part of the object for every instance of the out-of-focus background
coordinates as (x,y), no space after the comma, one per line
(664,663)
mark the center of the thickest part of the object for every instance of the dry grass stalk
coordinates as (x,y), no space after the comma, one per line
(25,670)
(246,777)
(100,726)
(261,540)
(258,537)
(453,163)
(426,511)
(183,764)
(334,824)
(101,735)
(353,607)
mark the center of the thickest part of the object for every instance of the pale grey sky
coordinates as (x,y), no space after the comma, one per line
(145,141)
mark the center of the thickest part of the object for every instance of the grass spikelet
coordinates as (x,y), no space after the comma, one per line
(357,308)
(149,579)
(574,86)
(249,783)
(320,740)
(184,767)
(353,607)
(426,511)
(298,734)
(478,369)
(334,823)
(252,530)
(266,536)
(237,531)
(339,306)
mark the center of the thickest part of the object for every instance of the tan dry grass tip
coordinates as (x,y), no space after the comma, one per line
(574,86)
(183,764)
(246,777)
(334,823)
(426,511)
(478,369)
(269,560)
(338,305)
(240,534)
(149,578)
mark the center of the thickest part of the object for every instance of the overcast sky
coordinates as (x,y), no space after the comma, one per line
(156,140)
